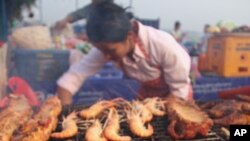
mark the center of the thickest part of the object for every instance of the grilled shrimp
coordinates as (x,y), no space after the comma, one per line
(136,124)
(94,132)
(155,106)
(143,111)
(69,127)
(96,109)
(113,127)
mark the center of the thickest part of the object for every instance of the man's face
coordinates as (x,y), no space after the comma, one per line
(116,51)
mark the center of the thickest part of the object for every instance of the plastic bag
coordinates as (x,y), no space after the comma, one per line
(32,37)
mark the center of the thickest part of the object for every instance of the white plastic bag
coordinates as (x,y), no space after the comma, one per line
(32,37)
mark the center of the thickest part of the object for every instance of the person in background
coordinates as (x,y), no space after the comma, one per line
(208,31)
(151,56)
(79,14)
(177,33)
(204,40)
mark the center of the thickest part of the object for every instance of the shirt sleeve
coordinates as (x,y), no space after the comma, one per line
(84,12)
(176,65)
(79,72)
(81,13)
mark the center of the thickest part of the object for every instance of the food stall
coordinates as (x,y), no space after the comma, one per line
(109,88)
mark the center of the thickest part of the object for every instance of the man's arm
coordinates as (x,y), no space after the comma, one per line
(79,14)
(73,79)
(64,95)
(176,64)
(83,13)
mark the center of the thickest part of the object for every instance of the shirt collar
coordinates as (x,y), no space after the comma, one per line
(138,53)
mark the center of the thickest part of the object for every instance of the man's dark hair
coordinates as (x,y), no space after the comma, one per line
(130,15)
(177,24)
(107,22)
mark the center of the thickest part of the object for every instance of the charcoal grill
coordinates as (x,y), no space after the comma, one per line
(159,124)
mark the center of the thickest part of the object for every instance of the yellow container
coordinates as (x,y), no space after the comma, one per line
(229,54)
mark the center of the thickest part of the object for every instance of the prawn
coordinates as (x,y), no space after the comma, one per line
(96,109)
(155,106)
(94,132)
(145,113)
(136,124)
(113,127)
(69,127)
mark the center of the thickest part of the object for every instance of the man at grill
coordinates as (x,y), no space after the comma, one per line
(148,55)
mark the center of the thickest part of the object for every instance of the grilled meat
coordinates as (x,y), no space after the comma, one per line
(218,109)
(42,124)
(17,112)
(224,108)
(243,98)
(186,119)
(225,112)
(236,118)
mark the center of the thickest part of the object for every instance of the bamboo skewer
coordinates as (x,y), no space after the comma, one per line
(3,69)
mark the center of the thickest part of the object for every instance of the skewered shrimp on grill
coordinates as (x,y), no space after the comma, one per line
(136,124)
(96,109)
(113,127)
(155,106)
(94,132)
(143,111)
(69,127)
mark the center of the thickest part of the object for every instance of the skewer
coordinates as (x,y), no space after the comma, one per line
(226,132)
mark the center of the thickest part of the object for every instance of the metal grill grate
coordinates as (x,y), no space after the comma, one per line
(159,124)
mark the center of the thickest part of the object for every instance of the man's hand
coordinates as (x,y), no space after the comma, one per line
(60,25)
(64,95)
